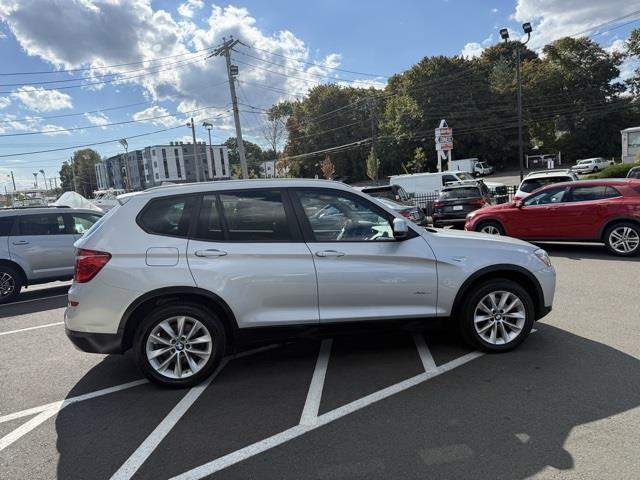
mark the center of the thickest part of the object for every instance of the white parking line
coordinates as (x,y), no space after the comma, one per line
(10,332)
(314,395)
(428,362)
(294,432)
(137,458)
(26,427)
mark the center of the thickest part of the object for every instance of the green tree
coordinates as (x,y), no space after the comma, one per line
(79,172)
(253,154)
(66,176)
(328,168)
(633,51)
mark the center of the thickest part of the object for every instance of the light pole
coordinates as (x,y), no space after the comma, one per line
(209,126)
(504,34)
(125,145)
(35,177)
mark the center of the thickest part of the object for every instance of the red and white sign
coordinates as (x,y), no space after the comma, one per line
(444,137)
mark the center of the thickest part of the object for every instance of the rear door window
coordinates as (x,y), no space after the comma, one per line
(593,192)
(169,216)
(255,216)
(42,224)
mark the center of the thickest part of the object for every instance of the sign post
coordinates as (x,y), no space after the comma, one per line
(444,142)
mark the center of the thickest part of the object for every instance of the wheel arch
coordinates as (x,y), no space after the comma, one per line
(515,273)
(139,308)
(613,221)
(17,268)
(491,220)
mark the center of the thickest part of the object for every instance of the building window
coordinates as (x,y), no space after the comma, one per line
(155,164)
(222,161)
(178,167)
(157,177)
(153,153)
(165,164)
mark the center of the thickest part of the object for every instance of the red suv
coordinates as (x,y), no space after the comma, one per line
(594,211)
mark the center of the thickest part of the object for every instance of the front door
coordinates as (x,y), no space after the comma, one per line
(44,244)
(247,248)
(364,273)
(540,215)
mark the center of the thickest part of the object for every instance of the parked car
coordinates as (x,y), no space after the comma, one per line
(392,192)
(456,201)
(535,180)
(634,173)
(203,263)
(36,245)
(605,211)
(591,165)
(413,213)
(432,183)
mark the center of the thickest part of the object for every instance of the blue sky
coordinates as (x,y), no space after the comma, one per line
(370,37)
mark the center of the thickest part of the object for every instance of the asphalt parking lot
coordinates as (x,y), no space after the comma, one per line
(401,403)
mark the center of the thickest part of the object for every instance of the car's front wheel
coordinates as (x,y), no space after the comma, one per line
(623,239)
(492,228)
(497,316)
(10,284)
(179,345)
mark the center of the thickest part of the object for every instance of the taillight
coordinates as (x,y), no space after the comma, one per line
(88,264)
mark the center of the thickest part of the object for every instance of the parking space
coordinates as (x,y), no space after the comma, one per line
(410,402)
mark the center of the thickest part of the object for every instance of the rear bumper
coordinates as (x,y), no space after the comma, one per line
(96,342)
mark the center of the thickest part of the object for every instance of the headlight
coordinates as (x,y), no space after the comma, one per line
(471,215)
(543,257)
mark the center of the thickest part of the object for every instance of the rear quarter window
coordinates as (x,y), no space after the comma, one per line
(168,216)
(6,224)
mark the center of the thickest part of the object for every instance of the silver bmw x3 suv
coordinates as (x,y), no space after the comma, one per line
(178,272)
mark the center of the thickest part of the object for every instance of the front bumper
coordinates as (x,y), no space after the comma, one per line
(96,342)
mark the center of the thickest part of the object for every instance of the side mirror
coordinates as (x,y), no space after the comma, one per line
(400,228)
(517,204)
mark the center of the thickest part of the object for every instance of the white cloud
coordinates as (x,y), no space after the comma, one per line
(13,124)
(4,102)
(53,130)
(472,50)
(99,119)
(156,111)
(187,9)
(494,10)
(552,19)
(41,100)
(86,38)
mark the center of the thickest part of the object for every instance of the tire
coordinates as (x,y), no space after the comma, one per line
(479,333)
(204,362)
(491,228)
(623,239)
(595,170)
(10,284)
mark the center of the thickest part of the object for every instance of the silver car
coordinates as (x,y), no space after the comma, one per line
(204,263)
(36,245)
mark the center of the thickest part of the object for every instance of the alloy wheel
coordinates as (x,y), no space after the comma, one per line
(490,229)
(499,317)
(7,284)
(179,347)
(624,239)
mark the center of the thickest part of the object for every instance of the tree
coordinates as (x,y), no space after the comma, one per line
(274,128)
(372,165)
(79,172)
(253,153)
(327,167)
(633,51)
(417,163)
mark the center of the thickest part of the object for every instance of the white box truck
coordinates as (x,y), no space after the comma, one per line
(471,165)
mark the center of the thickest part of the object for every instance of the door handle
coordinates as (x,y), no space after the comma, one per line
(329,253)
(212,252)
(21,242)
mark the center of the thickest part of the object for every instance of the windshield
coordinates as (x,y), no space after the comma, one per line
(532,184)
(460,193)
(584,162)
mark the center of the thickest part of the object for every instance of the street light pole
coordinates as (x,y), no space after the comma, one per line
(504,33)
(209,126)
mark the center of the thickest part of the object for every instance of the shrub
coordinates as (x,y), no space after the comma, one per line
(619,170)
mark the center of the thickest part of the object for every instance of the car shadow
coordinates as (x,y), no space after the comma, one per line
(500,416)
(579,251)
(33,301)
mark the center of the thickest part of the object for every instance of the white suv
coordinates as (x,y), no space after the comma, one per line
(178,273)
(541,178)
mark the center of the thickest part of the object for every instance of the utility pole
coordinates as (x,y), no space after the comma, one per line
(13,180)
(232,71)
(504,33)
(195,148)
(209,126)
(373,117)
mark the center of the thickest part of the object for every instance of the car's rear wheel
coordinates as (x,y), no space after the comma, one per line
(492,228)
(179,345)
(497,316)
(623,239)
(10,284)
(595,169)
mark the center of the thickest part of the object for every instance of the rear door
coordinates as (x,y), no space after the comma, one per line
(247,248)
(44,245)
(586,210)
(364,273)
